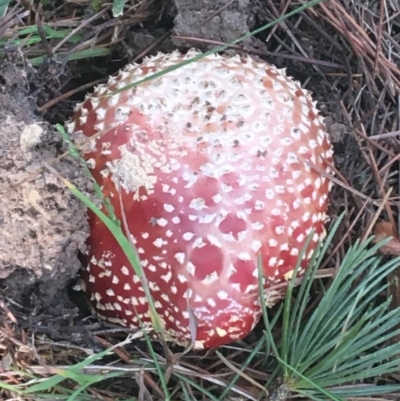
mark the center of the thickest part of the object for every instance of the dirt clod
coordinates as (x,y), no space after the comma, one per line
(221,21)
(42,225)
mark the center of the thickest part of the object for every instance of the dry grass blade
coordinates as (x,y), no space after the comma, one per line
(357,26)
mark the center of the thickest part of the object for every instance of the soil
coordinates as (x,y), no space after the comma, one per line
(43,226)
(204,19)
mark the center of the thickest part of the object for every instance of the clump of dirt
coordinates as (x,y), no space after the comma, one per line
(213,20)
(43,226)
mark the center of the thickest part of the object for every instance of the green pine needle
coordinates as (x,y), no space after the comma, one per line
(343,344)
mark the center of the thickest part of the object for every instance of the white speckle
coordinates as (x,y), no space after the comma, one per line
(153,286)
(167,277)
(222,294)
(182,278)
(207,218)
(165,189)
(198,204)
(269,194)
(244,256)
(210,278)
(229,237)
(188,236)
(272,242)
(300,238)
(250,288)
(91,163)
(310,254)
(272,261)
(296,174)
(226,188)
(191,179)
(117,306)
(176,220)
(125,271)
(217,198)
(159,242)
(168,208)
(242,235)
(180,257)
(211,302)
(256,245)
(191,268)
(296,204)
(110,292)
(214,241)
(284,247)
(279,230)
(240,201)
(162,222)
(231,270)
(115,279)
(152,268)
(257,226)
(127,287)
(199,243)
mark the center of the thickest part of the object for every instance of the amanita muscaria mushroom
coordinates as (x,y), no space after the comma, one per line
(217,162)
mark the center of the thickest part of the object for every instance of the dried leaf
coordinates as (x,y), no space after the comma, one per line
(383,230)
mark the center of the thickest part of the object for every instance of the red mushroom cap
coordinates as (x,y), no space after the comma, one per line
(215,164)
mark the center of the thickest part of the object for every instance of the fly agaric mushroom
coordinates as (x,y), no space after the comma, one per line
(214,166)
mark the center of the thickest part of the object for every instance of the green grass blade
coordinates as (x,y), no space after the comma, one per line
(118,8)
(3,7)
(82,54)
